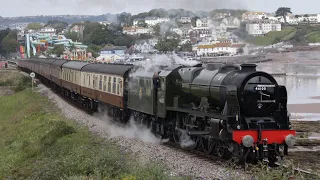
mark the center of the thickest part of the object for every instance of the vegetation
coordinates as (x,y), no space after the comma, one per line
(58,25)
(38,143)
(273,37)
(167,45)
(283,12)
(34,26)
(58,50)
(8,42)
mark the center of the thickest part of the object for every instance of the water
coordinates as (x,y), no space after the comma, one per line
(302,82)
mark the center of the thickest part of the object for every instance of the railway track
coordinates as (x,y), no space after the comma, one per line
(199,154)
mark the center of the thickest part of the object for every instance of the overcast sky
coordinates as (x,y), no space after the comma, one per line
(10,8)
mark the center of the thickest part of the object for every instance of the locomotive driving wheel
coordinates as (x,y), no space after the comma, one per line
(208,146)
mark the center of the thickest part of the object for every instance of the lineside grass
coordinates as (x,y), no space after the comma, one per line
(36,142)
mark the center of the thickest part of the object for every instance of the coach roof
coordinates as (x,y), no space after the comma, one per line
(58,62)
(75,65)
(116,69)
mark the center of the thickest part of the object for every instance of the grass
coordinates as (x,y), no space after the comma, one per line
(274,37)
(37,142)
(14,79)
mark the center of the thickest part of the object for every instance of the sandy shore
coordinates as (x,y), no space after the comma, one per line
(304,108)
(315,97)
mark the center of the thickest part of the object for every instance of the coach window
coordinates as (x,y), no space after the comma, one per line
(104,83)
(118,86)
(114,85)
(75,77)
(84,80)
(100,83)
(89,80)
(109,84)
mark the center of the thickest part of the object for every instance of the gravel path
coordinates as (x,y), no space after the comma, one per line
(142,142)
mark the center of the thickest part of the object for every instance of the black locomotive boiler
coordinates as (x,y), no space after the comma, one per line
(227,110)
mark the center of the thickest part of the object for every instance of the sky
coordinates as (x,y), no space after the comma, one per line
(13,8)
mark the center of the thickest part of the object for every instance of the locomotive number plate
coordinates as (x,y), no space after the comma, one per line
(260,88)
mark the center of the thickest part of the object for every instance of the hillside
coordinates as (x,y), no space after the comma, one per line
(293,34)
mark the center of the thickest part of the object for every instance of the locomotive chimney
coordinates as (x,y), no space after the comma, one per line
(248,67)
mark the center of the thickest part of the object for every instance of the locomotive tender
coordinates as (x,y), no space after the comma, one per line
(227,110)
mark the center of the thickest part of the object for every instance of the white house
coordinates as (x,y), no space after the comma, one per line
(248,16)
(185,19)
(152,21)
(136,30)
(177,30)
(48,30)
(262,27)
(203,22)
(219,49)
(146,46)
(231,22)
(136,21)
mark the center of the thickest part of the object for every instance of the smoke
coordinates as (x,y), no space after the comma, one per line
(186,141)
(155,62)
(131,130)
(165,27)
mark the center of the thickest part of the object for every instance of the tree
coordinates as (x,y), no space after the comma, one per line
(34,26)
(186,47)
(157,30)
(194,21)
(58,25)
(283,12)
(9,44)
(167,45)
(58,50)
(72,35)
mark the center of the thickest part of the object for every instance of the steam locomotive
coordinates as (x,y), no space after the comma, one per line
(226,110)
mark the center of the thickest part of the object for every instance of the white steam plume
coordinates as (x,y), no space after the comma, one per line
(131,130)
(186,141)
(155,61)
(165,27)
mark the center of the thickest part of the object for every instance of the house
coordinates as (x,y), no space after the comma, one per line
(77,28)
(185,19)
(152,21)
(203,22)
(222,15)
(231,22)
(177,31)
(48,30)
(220,49)
(112,53)
(146,46)
(137,20)
(134,30)
(105,23)
(262,27)
(248,16)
